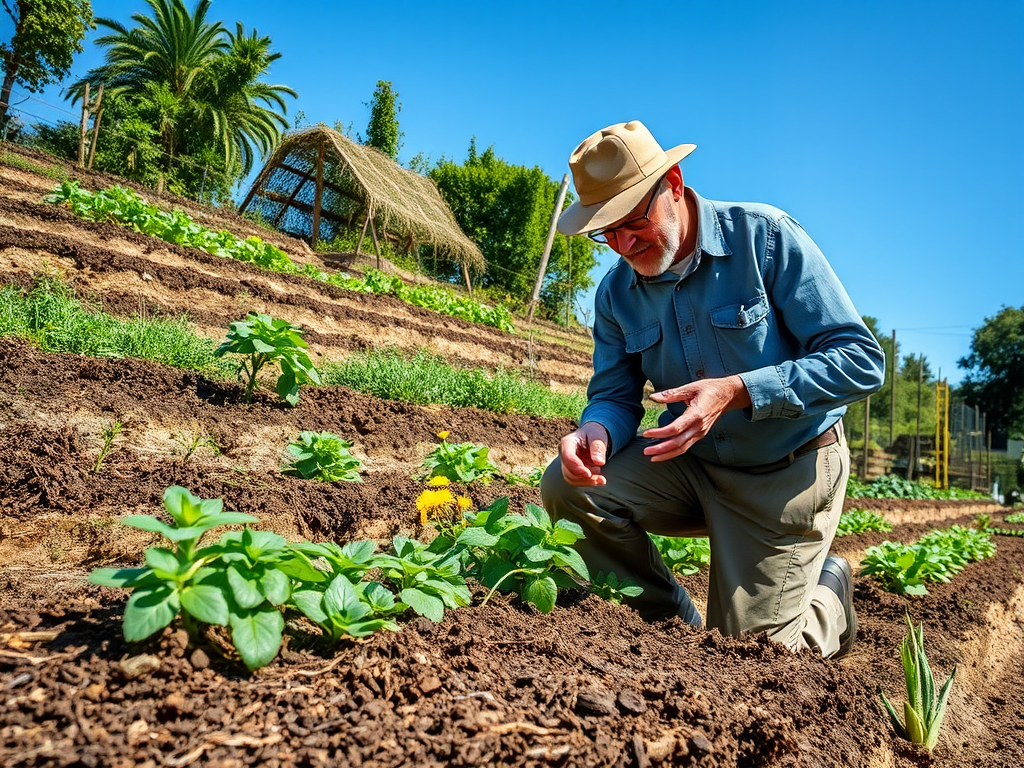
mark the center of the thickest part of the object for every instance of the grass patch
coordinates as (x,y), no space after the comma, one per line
(426,378)
(24,164)
(51,317)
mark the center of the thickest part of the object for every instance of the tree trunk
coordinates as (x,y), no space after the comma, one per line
(10,74)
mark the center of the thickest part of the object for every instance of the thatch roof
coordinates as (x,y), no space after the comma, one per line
(355,179)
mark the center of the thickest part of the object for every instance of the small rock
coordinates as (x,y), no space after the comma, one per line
(199,659)
(700,745)
(175,704)
(140,666)
(642,761)
(596,702)
(662,748)
(146,276)
(632,702)
(180,638)
(430,684)
(95,692)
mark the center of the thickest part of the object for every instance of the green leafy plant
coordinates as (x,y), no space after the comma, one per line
(429,578)
(923,711)
(609,587)
(935,557)
(349,609)
(861,521)
(532,479)
(108,433)
(525,553)
(465,462)
(264,340)
(684,555)
(324,457)
(1016,517)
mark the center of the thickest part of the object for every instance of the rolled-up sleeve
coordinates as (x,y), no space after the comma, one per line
(841,360)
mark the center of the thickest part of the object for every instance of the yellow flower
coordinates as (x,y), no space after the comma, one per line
(443,434)
(464,502)
(439,480)
(431,503)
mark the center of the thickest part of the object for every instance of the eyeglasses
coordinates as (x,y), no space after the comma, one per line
(633,225)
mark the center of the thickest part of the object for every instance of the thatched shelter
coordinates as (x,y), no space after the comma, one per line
(319,183)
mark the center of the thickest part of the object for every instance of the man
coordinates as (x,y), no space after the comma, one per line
(732,313)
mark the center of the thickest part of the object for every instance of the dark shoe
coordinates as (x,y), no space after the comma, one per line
(837,576)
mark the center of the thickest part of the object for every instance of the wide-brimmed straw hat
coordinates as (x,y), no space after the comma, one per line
(612,171)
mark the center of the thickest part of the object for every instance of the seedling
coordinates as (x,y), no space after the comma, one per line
(861,521)
(324,457)
(238,582)
(683,555)
(609,587)
(264,340)
(429,580)
(192,442)
(108,433)
(464,462)
(923,710)
(522,553)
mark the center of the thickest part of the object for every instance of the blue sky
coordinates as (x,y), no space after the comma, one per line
(893,131)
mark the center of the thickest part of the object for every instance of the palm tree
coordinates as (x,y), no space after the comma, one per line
(198,84)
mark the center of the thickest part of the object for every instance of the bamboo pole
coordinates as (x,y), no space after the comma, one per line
(535,296)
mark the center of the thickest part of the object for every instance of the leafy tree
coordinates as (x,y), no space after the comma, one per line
(198,85)
(506,210)
(995,369)
(382,131)
(47,35)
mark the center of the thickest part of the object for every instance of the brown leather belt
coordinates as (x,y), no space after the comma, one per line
(828,437)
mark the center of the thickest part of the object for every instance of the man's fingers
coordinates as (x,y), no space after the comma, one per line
(598,451)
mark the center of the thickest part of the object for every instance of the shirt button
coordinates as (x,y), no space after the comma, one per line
(699,373)
(688,329)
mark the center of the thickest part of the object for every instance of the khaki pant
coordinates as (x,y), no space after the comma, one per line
(769,535)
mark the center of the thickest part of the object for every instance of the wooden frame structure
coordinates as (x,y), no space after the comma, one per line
(319,182)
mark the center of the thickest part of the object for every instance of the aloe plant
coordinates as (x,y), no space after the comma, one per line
(923,710)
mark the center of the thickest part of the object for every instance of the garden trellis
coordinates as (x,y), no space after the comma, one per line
(319,183)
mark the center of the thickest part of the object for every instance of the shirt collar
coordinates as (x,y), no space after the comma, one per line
(710,240)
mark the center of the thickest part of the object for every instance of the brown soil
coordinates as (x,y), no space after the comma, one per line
(589,684)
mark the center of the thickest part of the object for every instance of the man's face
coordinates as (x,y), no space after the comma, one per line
(652,249)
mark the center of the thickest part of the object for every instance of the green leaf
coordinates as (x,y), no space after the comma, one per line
(341,599)
(256,634)
(275,586)
(206,602)
(541,591)
(538,554)
(162,561)
(121,578)
(150,610)
(570,558)
(310,602)
(477,537)
(539,515)
(423,604)
(244,589)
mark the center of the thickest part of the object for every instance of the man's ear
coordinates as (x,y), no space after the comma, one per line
(675,179)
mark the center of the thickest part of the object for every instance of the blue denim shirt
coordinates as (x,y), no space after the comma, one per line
(763,303)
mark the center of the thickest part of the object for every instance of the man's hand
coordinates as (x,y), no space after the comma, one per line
(706,401)
(583,454)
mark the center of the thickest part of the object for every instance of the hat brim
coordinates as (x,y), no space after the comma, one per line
(578,218)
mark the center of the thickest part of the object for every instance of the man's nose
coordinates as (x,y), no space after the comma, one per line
(624,240)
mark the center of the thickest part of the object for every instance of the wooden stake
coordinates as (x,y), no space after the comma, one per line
(82,132)
(366,223)
(547,246)
(376,243)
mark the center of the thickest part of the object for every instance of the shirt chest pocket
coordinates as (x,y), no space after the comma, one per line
(641,340)
(741,331)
